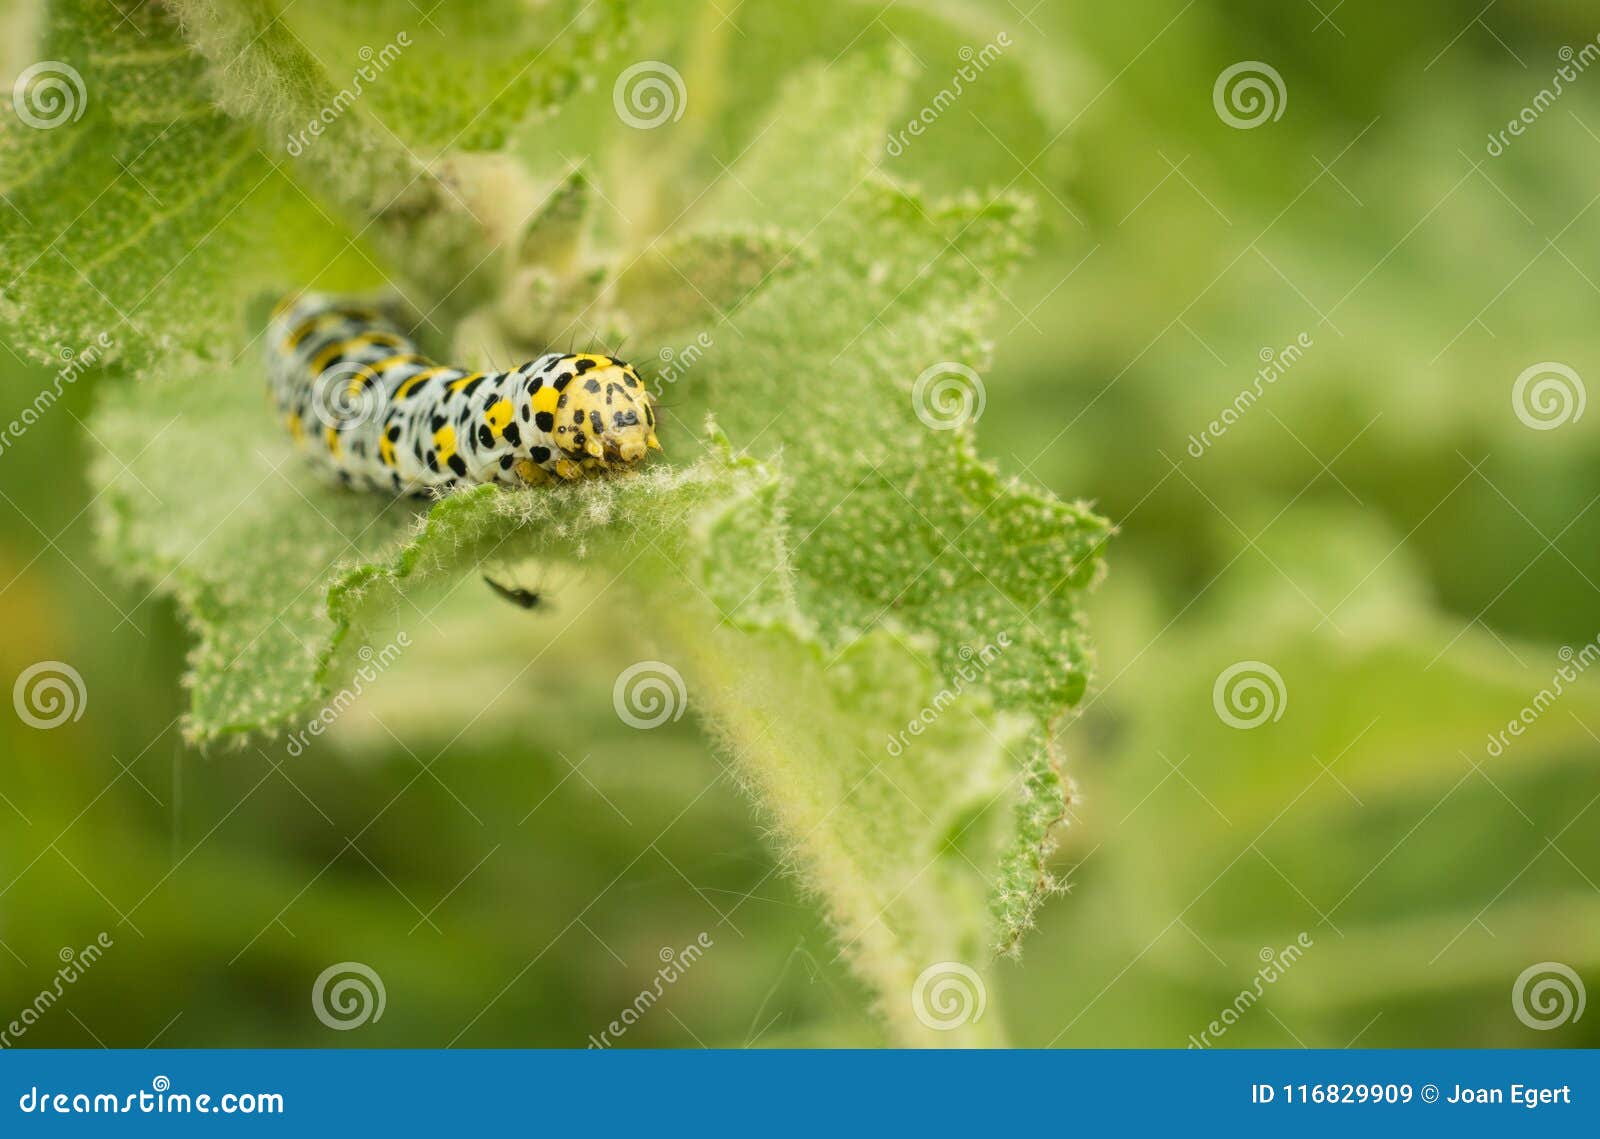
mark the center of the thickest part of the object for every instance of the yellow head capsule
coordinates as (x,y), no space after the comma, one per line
(602,411)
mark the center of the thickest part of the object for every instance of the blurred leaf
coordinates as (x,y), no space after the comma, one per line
(472,72)
(1365,791)
(699,278)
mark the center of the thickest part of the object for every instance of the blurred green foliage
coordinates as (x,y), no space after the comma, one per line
(1380,527)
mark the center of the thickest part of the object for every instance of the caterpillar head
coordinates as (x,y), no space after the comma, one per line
(603,414)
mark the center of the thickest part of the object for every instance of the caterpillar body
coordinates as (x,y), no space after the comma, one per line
(365,404)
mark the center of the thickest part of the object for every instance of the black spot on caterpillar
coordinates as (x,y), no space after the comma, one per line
(369,408)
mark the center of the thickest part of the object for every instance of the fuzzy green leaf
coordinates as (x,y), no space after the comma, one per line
(702,278)
(132,207)
(404,69)
(365,118)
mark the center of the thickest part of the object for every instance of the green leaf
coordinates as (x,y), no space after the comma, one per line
(702,278)
(472,71)
(132,207)
(455,77)
(363,120)
(553,237)
(882,633)
(557,289)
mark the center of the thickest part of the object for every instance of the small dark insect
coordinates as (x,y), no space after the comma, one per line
(526,598)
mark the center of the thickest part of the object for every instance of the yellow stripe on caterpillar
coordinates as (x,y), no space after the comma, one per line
(344,347)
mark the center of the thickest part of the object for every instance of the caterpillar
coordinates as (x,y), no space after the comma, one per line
(371,410)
